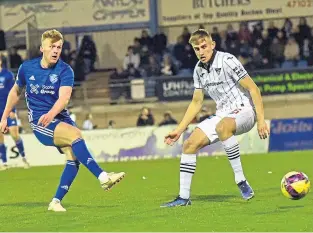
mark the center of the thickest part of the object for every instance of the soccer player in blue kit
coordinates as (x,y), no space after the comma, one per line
(48,82)
(6,83)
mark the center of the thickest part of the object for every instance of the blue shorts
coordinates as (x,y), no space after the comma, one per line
(11,122)
(45,134)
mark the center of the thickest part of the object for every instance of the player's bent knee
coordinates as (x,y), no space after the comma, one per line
(226,125)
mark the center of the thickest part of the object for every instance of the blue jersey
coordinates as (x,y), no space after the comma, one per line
(6,83)
(42,86)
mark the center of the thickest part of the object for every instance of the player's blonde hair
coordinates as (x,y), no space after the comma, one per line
(53,34)
(199,34)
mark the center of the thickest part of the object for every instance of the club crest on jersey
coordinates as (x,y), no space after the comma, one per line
(2,79)
(53,78)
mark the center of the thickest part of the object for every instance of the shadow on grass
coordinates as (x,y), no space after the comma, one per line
(216,198)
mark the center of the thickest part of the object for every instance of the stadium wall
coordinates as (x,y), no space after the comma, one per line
(143,143)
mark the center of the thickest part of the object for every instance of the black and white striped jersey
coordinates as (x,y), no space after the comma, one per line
(220,79)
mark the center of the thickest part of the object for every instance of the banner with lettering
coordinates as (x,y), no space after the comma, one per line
(178,12)
(270,82)
(141,143)
(75,13)
(291,134)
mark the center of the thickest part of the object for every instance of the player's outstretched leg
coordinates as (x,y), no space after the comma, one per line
(68,135)
(69,173)
(188,160)
(225,130)
(19,144)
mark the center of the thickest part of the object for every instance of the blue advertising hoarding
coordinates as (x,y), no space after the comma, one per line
(291,134)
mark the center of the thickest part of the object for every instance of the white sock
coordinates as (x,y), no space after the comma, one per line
(56,200)
(231,147)
(103,177)
(187,169)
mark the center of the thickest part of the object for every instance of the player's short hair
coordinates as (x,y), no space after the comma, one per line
(53,34)
(199,34)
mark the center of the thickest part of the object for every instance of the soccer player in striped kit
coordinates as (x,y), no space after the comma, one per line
(238,107)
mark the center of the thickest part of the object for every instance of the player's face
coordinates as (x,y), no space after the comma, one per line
(51,50)
(204,49)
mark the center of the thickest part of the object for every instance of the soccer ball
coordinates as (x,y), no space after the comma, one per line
(295,185)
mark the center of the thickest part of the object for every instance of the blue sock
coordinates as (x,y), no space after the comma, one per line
(20,147)
(83,155)
(67,178)
(3,153)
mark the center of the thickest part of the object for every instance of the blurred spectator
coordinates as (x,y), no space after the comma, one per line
(145,39)
(257,32)
(244,48)
(272,30)
(89,53)
(111,124)
(133,72)
(153,68)
(2,40)
(281,37)
(168,68)
(256,61)
(15,59)
(131,59)
(217,38)
(189,59)
(304,29)
(231,34)
(186,35)
(287,28)
(292,51)
(233,48)
(244,33)
(88,124)
(159,43)
(145,117)
(277,50)
(306,49)
(168,119)
(179,49)
(78,65)
(137,46)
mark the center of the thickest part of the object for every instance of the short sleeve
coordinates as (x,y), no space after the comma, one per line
(67,77)
(196,79)
(234,67)
(20,78)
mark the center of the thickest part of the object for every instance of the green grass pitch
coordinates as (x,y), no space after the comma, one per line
(133,205)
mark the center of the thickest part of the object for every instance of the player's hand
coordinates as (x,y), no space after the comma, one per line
(172,137)
(45,119)
(263,129)
(4,126)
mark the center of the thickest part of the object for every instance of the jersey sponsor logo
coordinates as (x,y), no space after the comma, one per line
(47,90)
(209,84)
(32,77)
(53,78)
(238,70)
(34,88)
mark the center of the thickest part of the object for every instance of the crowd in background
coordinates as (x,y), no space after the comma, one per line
(255,46)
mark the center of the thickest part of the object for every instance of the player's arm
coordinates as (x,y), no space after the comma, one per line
(255,93)
(192,110)
(236,70)
(13,98)
(65,93)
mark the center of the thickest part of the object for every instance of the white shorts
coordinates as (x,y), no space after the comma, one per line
(245,120)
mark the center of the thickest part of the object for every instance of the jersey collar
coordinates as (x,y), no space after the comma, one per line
(210,62)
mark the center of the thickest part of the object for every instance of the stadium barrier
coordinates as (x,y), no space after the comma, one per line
(270,82)
(291,134)
(141,143)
